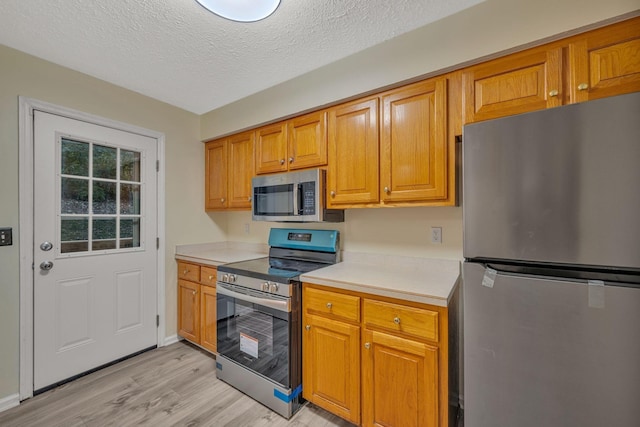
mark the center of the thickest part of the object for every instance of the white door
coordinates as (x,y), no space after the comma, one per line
(95,283)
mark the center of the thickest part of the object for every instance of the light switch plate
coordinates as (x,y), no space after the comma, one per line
(6,236)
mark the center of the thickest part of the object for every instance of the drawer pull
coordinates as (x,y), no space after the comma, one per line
(186,271)
(193,292)
(583,86)
(329,305)
(554,92)
(367,345)
(308,327)
(210,278)
(396,320)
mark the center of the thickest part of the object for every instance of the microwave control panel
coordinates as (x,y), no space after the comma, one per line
(308,198)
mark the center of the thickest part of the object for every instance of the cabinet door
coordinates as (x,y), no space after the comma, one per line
(271,148)
(400,382)
(215,184)
(307,140)
(606,62)
(518,83)
(413,148)
(189,310)
(240,170)
(331,360)
(353,154)
(208,323)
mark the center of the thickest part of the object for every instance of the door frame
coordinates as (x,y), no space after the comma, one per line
(26,206)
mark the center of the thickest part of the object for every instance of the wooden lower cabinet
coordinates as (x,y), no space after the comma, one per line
(332,349)
(375,361)
(189,310)
(399,381)
(197,321)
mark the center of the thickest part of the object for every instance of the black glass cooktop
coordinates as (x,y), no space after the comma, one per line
(276,269)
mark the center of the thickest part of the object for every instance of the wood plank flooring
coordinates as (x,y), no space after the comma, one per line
(169,386)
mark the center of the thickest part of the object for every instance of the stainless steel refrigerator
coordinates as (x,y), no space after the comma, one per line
(551,278)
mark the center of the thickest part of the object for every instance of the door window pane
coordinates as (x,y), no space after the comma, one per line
(74,234)
(130,199)
(104,197)
(130,232)
(129,166)
(104,234)
(75,158)
(74,196)
(100,197)
(104,162)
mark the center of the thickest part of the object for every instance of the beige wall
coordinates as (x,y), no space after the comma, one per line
(186,221)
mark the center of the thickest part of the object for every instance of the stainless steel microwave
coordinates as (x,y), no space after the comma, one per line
(292,197)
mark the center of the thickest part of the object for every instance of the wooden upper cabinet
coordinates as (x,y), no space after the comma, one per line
(413,147)
(518,83)
(307,137)
(215,175)
(228,172)
(271,148)
(241,168)
(605,62)
(353,154)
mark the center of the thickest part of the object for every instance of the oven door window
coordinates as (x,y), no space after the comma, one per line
(273,200)
(254,336)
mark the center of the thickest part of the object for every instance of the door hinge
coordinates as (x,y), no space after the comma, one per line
(157,243)
(157,165)
(157,320)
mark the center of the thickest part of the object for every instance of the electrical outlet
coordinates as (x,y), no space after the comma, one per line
(436,235)
(247,228)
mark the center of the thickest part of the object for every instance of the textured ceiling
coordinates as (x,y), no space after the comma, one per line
(178,52)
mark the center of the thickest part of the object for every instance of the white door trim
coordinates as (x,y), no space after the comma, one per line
(26,144)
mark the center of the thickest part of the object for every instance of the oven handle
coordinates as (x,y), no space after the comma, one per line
(276,304)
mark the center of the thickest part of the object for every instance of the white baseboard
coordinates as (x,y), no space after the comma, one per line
(171,340)
(9,402)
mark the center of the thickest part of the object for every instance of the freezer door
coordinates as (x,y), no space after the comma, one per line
(547,352)
(558,185)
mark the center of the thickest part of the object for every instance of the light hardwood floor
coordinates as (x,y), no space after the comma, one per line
(169,386)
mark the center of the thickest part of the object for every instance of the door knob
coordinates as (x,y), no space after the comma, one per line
(282,161)
(333,194)
(290,159)
(308,327)
(367,345)
(46,265)
(46,246)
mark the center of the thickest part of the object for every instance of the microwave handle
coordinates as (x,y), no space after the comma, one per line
(297,199)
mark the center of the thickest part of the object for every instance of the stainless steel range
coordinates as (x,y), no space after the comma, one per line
(259,315)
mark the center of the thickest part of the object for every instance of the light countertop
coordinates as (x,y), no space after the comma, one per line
(425,280)
(215,254)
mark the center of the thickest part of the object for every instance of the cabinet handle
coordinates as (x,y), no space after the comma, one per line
(367,345)
(583,86)
(333,194)
(308,327)
(282,161)
(222,200)
(396,320)
(553,93)
(193,292)
(290,159)
(249,198)
(329,305)
(185,271)
(386,190)
(210,278)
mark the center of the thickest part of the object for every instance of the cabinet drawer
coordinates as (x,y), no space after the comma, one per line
(208,275)
(188,271)
(332,303)
(407,320)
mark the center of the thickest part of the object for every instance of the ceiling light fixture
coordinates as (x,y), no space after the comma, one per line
(241,10)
